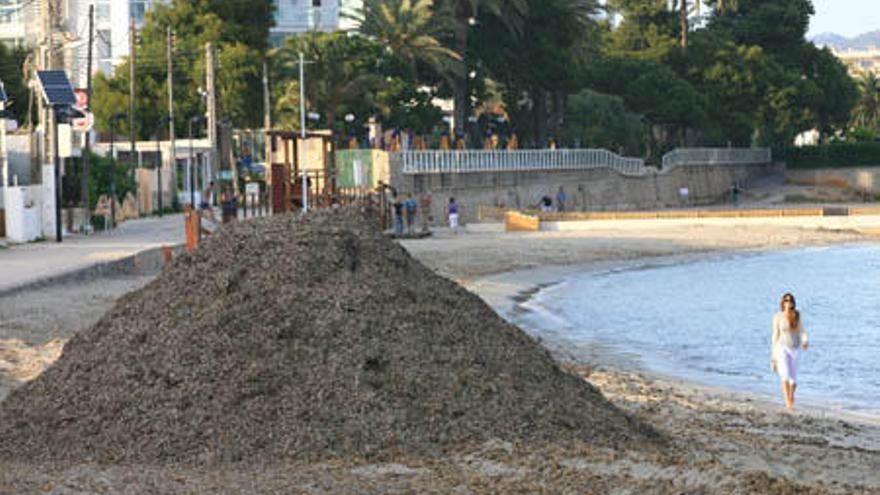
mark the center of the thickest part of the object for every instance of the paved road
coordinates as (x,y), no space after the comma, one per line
(27,263)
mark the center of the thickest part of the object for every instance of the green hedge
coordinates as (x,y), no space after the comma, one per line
(834,155)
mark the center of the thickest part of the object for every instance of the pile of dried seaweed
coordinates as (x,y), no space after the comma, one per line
(309,338)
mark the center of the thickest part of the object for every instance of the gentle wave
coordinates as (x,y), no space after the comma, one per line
(709,320)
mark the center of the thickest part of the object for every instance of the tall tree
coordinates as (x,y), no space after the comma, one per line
(467,15)
(686,8)
(648,29)
(539,67)
(342,68)
(867,110)
(777,26)
(240,31)
(12,69)
(411,30)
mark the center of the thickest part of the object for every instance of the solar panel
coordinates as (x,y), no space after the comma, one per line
(56,86)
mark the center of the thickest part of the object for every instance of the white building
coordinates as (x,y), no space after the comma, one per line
(860,61)
(111,33)
(17,21)
(20,25)
(299,16)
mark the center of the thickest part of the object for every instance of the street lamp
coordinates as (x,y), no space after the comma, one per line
(349,119)
(162,123)
(198,119)
(113,120)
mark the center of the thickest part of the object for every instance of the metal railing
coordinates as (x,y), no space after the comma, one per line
(716,156)
(463,161)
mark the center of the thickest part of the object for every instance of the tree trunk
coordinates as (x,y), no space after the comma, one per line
(461,103)
(685,26)
(557,119)
(539,113)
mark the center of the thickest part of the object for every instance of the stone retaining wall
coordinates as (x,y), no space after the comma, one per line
(587,190)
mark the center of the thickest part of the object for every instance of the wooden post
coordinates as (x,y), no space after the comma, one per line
(192,226)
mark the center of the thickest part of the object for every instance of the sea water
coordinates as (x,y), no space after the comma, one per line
(709,321)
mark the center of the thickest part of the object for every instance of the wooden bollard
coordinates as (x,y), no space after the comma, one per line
(167,254)
(191,228)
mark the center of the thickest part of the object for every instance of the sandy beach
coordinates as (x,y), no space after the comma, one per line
(716,441)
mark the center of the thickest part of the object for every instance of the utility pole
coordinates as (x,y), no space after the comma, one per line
(267,115)
(50,117)
(169,54)
(43,62)
(87,155)
(132,72)
(212,103)
(302,121)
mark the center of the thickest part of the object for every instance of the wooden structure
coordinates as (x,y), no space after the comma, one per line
(287,177)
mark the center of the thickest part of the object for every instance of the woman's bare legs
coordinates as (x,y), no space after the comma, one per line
(791,389)
(787,394)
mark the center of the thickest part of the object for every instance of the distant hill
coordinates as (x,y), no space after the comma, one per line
(838,42)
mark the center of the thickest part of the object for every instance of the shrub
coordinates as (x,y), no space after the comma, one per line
(865,154)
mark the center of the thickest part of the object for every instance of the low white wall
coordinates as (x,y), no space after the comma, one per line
(22,211)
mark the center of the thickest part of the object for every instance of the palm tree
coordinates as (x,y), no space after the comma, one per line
(337,71)
(465,16)
(867,110)
(409,28)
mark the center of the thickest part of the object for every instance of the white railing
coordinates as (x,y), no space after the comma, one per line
(716,156)
(463,161)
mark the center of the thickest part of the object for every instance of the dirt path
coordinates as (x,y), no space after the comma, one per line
(34,324)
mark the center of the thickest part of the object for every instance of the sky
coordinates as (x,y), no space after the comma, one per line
(845,17)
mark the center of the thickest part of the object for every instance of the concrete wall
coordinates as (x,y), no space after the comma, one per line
(148,183)
(863,179)
(587,190)
(22,213)
(19,151)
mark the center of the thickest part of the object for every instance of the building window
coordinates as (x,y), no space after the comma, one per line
(104,44)
(138,10)
(316,3)
(10,11)
(102,10)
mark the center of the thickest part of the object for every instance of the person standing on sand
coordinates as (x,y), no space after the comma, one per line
(452,211)
(398,214)
(411,207)
(561,197)
(788,339)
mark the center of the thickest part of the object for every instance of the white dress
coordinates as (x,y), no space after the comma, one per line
(785,347)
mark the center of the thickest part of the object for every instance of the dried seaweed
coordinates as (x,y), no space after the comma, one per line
(304,339)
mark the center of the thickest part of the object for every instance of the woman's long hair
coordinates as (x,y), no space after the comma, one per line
(793,316)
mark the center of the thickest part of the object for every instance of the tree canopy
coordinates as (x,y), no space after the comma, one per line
(680,72)
(239,30)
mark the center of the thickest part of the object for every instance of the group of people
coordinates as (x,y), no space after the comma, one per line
(406,212)
(411,214)
(546,203)
(225,198)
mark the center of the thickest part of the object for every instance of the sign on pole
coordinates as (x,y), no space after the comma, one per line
(87,122)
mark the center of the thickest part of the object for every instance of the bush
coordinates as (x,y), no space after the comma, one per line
(102,172)
(834,155)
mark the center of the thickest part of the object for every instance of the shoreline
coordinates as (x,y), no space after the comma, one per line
(508,292)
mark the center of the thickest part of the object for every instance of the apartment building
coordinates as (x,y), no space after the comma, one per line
(860,61)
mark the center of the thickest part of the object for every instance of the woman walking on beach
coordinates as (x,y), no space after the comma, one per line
(788,339)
